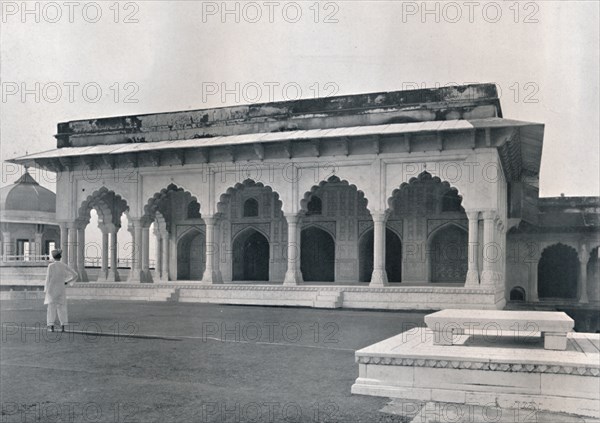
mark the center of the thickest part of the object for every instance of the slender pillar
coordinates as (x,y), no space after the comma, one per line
(158,265)
(582,279)
(81,254)
(165,256)
(488,276)
(112,275)
(293,275)
(104,259)
(473,266)
(136,275)
(64,241)
(147,277)
(72,246)
(211,273)
(379,276)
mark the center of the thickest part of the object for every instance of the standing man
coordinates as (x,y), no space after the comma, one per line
(57,278)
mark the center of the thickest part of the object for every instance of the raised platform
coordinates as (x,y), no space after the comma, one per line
(485,370)
(424,297)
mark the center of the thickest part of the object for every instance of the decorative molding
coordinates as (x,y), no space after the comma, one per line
(478,365)
(255,287)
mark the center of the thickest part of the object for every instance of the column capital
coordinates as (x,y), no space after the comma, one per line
(379,215)
(472,214)
(292,217)
(106,228)
(210,219)
(583,253)
(135,220)
(489,214)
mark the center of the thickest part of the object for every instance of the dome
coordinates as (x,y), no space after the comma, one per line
(26,194)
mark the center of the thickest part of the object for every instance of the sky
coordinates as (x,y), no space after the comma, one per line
(97,59)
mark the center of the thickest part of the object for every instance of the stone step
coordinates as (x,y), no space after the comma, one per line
(328,299)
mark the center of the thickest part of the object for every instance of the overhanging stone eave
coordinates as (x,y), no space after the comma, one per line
(520,149)
(68,157)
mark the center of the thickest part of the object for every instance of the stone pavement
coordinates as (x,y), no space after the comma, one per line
(173,362)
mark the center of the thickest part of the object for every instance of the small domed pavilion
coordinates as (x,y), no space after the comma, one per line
(28,220)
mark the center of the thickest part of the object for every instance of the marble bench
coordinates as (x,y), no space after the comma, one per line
(553,325)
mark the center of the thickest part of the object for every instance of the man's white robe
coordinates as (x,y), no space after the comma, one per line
(55,288)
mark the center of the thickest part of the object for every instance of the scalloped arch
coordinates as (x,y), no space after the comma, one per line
(332,179)
(422,177)
(240,186)
(109,209)
(153,204)
(560,245)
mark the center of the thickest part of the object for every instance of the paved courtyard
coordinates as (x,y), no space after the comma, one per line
(174,362)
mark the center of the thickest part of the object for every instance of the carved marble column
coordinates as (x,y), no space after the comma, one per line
(136,275)
(64,241)
(582,277)
(81,252)
(104,260)
(379,277)
(211,274)
(72,246)
(165,256)
(112,275)
(293,274)
(158,263)
(473,266)
(488,276)
(147,277)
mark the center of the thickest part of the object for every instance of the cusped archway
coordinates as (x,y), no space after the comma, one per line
(430,211)
(326,197)
(448,254)
(97,245)
(250,256)
(174,203)
(317,255)
(191,260)
(251,205)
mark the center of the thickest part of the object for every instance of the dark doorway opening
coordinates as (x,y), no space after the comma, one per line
(557,272)
(317,255)
(448,255)
(251,257)
(191,260)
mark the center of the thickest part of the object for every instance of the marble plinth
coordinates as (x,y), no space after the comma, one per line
(405,297)
(482,369)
